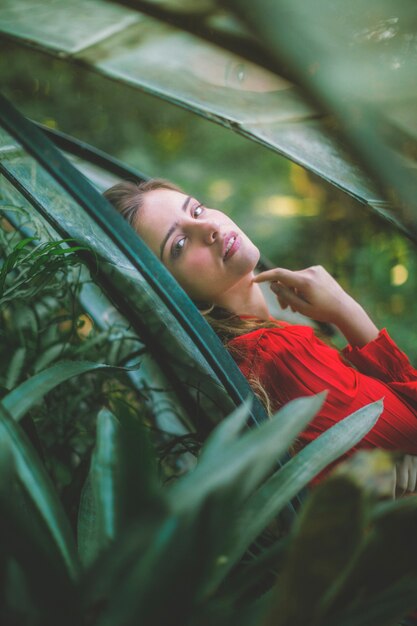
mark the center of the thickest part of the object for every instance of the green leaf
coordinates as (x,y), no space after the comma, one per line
(7,470)
(226,432)
(99,517)
(138,590)
(220,470)
(11,261)
(326,537)
(164,581)
(42,500)
(117,563)
(121,487)
(25,541)
(88,529)
(50,354)
(266,503)
(18,401)
(387,560)
(260,568)
(140,492)
(382,609)
(15,367)
(105,476)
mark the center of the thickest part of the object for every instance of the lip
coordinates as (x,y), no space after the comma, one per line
(234,248)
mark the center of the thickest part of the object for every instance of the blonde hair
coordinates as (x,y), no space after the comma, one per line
(128,197)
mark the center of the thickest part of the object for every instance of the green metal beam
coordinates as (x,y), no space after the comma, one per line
(77,186)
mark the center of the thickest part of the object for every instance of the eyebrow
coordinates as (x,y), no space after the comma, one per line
(173,227)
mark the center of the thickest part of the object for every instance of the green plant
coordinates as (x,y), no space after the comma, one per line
(211,548)
(42,320)
(174,556)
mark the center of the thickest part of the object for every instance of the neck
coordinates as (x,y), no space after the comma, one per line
(246,298)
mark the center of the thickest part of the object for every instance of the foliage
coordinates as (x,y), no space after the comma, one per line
(156,556)
(210,548)
(42,321)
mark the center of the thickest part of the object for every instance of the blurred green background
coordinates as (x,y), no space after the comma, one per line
(296,219)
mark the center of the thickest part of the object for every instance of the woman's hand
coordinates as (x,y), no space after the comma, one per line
(405,475)
(313,292)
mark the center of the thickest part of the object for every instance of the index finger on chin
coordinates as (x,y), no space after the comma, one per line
(271,275)
(280,274)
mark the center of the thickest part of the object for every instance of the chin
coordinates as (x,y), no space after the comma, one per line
(248,266)
(253,258)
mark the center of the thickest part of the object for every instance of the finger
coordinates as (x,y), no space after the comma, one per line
(276,289)
(267,275)
(282,290)
(394,481)
(290,298)
(282,304)
(402,474)
(275,285)
(287,277)
(412,475)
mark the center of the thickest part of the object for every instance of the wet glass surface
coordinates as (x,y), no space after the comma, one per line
(163,60)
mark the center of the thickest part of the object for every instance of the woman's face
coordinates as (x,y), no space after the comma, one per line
(204,250)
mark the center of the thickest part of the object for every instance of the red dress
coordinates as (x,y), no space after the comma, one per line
(291,361)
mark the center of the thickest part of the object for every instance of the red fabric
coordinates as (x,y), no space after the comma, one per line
(291,362)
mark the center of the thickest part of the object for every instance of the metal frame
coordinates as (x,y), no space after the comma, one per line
(77,186)
(238,43)
(185,399)
(91,154)
(243,37)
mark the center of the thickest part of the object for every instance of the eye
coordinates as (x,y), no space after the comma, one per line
(235,74)
(240,72)
(198,210)
(177,248)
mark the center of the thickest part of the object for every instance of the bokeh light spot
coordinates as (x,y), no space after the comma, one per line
(399,274)
(286,206)
(220,190)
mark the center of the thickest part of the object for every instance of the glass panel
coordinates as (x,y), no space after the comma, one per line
(232,91)
(361,66)
(172,347)
(350,57)
(371,55)
(65,26)
(307,144)
(180,66)
(183,6)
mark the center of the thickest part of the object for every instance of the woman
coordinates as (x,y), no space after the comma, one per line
(214,262)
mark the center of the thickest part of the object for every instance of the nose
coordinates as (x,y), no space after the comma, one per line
(208,230)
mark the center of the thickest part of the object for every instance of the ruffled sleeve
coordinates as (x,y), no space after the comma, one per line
(382,359)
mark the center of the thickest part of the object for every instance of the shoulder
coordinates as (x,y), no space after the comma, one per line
(272,339)
(264,352)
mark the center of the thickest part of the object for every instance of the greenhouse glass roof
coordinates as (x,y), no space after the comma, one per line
(325,83)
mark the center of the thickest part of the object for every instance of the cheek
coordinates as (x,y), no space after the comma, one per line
(199,275)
